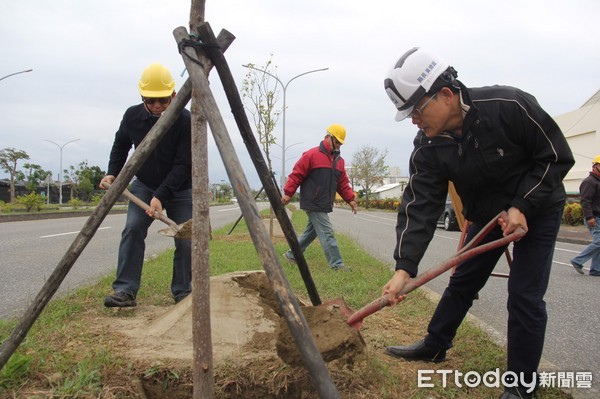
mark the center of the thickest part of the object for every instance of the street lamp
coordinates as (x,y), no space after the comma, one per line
(283,176)
(16,73)
(60,197)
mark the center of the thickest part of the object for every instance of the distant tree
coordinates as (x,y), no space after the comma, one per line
(369,169)
(225,190)
(34,175)
(84,179)
(260,94)
(9,157)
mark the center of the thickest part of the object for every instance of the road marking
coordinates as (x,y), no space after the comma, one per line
(70,232)
(376,221)
(566,250)
(229,209)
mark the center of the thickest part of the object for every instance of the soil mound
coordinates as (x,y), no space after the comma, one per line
(245,325)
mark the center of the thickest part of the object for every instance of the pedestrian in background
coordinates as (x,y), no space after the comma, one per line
(503,152)
(164,181)
(320,173)
(589,192)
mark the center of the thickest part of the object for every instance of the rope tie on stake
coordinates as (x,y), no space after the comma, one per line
(194,43)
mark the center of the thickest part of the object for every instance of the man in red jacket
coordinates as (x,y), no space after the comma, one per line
(320,173)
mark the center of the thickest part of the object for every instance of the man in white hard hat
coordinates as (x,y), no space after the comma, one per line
(321,172)
(503,152)
(164,181)
(589,194)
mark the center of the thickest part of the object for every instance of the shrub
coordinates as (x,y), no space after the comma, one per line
(96,198)
(31,201)
(573,214)
(75,203)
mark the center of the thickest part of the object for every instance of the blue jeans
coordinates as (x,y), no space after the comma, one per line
(592,251)
(133,245)
(527,284)
(320,226)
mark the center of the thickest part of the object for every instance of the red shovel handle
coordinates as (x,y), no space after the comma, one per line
(467,252)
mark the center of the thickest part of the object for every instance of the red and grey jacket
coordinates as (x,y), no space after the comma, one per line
(510,153)
(319,174)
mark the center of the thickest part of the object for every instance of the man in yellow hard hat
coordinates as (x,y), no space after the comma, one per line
(164,181)
(320,173)
(589,192)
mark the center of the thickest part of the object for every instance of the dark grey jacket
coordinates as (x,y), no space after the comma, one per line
(589,191)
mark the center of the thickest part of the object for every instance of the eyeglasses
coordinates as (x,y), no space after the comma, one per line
(160,100)
(419,111)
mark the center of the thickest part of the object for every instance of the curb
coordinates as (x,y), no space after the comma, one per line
(573,240)
(54,215)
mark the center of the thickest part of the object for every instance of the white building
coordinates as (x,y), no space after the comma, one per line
(581,128)
(391,190)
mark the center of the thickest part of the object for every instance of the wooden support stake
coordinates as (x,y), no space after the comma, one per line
(264,247)
(268,183)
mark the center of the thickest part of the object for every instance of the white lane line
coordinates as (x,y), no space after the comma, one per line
(389,222)
(566,250)
(229,209)
(70,232)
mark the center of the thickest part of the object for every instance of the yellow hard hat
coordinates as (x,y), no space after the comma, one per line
(596,160)
(338,131)
(156,81)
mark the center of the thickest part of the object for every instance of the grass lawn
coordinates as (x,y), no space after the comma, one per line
(66,355)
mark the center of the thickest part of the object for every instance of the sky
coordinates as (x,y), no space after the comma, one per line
(87,58)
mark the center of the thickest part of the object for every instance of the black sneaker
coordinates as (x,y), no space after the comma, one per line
(180,297)
(120,299)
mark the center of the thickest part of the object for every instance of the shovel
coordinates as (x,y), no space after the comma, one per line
(182,231)
(468,251)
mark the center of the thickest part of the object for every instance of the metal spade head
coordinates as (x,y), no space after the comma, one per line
(183,231)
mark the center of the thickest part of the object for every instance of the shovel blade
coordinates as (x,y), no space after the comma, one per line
(344,309)
(183,231)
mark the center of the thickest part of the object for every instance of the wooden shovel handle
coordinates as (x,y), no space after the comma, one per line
(159,215)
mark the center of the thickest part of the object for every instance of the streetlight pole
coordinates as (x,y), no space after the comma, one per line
(60,198)
(283,176)
(16,73)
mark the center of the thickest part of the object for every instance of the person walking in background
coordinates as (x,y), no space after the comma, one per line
(589,192)
(320,173)
(503,152)
(164,181)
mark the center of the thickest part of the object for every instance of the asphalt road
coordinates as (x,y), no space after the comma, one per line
(31,250)
(571,342)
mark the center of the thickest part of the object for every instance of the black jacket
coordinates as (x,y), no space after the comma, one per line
(510,153)
(168,169)
(589,191)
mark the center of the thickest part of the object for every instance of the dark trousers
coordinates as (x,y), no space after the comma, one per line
(527,284)
(133,245)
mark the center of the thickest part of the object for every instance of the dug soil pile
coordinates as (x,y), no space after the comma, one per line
(247,329)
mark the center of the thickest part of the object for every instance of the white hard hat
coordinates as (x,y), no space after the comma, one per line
(411,77)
